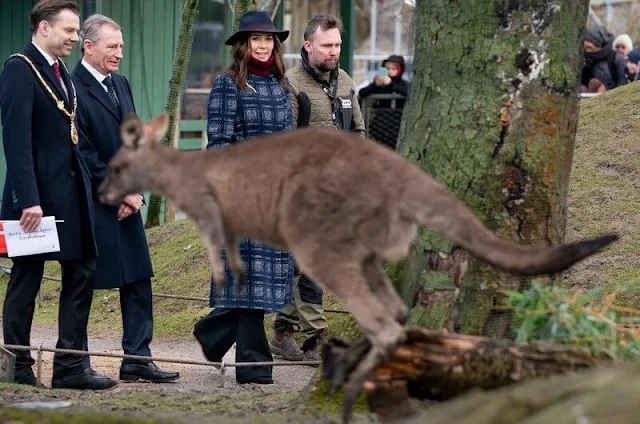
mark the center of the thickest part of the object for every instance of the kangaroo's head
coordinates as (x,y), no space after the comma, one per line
(131,170)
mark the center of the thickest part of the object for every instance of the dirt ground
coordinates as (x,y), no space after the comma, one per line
(198,396)
(192,377)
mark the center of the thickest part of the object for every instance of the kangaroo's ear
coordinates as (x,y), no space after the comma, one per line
(132,131)
(157,127)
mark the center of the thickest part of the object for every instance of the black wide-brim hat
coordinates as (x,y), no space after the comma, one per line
(255,21)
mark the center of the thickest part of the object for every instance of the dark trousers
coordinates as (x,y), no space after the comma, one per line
(73,313)
(137,321)
(223,326)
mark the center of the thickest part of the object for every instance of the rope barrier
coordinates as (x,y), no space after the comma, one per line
(219,365)
(162,295)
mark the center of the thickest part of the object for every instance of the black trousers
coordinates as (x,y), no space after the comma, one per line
(73,313)
(218,331)
(136,305)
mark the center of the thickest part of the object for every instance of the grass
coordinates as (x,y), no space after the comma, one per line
(181,268)
(160,407)
(604,193)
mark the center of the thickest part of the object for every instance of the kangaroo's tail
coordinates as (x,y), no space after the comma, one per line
(443,213)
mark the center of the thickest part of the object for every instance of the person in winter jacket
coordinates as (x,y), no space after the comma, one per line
(632,65)
(601,61)
(623,44)
(385,124)
(250,99)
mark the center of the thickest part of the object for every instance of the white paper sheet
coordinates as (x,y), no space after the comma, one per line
(43,240)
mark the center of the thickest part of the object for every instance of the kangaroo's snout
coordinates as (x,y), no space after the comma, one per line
(105,197)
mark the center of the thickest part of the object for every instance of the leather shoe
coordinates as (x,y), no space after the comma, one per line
(82,381)
(94,373)
(146,372)
(256,380)
(25,377)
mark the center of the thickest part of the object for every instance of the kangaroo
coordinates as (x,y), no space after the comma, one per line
(340,204)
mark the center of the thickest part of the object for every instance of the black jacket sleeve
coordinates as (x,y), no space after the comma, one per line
(17,88)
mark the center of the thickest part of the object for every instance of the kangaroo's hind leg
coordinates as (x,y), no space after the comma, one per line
(235,261)
(208,220)
(382,287)
(340,270)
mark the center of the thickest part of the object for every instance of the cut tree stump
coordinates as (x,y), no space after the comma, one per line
(440,365)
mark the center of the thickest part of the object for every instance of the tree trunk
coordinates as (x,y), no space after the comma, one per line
(240,7)
(183,49)
(605,396)
(439,365)
(492,115)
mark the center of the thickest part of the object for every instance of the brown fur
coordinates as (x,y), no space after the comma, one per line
(340,204)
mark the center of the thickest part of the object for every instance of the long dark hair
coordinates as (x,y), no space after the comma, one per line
(240,54)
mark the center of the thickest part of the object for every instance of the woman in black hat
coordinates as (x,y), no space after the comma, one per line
(250,99)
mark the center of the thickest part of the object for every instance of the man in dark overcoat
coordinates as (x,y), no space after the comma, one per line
(123,260)
(46,176)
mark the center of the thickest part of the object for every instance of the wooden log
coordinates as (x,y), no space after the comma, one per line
(603,396)
(440,365)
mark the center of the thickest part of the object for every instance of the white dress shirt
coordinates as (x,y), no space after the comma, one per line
(50,61)
(96,74)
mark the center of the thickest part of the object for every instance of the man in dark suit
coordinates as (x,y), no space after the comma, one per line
(104,98)
(47,176)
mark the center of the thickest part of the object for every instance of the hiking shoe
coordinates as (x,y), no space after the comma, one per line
(311,355)
(286,348)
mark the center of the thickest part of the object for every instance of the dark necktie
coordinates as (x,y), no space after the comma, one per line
(108,81)
(56,71)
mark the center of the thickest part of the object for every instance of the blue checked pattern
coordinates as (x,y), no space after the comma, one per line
(269,279)
(235,115)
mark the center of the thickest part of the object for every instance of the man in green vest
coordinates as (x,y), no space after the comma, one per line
(324,96)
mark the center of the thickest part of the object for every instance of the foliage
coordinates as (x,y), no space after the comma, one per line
(548,313)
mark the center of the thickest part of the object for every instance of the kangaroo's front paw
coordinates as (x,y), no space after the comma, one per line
(355,385)
(220,279)
(402,313)
(383,344)
(241,279)
(340,359)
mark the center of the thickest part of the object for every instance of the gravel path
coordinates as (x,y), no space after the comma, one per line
(192,377)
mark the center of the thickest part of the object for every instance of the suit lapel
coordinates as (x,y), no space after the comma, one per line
(53,81)
(68,85)
(96,90)
(126,103)
(45,69)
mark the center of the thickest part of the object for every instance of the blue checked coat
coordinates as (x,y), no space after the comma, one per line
(235,115)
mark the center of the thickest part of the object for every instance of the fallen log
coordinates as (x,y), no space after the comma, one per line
(603,396)
(440,365)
